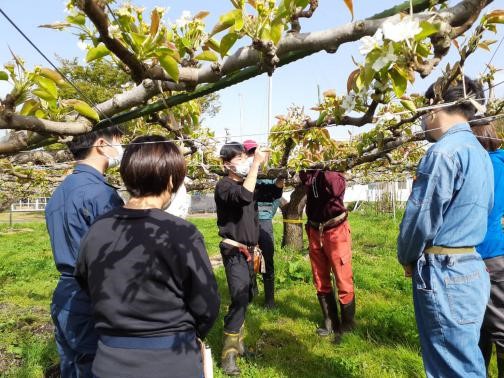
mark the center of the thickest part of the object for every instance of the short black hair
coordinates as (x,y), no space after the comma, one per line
(81,145)
(486,134)
(148,165)
(231,150)
(455,92)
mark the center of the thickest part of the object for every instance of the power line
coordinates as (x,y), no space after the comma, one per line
(54,66)
(323,161)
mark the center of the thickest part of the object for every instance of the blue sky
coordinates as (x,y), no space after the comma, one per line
(293,84)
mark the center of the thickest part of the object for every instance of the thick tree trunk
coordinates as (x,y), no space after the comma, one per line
(293,210)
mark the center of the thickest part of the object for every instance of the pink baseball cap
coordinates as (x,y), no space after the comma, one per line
(249,144)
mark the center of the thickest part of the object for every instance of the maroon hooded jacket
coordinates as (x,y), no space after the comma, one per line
(325,190)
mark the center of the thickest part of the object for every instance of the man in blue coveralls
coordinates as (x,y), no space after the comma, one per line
(446,216)
(76,203)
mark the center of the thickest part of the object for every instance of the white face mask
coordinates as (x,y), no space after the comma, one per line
(179,203)
(116,160)
(242,169)
(250,160)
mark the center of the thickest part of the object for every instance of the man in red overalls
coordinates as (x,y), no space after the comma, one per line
(330,248)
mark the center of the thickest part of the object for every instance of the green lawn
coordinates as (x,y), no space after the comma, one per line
(385,343)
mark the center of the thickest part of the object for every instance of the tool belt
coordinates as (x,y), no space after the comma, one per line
(440,250)
(251,253)
(333,222)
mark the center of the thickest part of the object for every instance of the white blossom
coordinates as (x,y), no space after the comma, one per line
(184,19)
(385,60)
(348,103)
(387,117)
(113,29)
(397,29)
(370,43)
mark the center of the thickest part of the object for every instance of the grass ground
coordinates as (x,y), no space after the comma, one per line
(385,343)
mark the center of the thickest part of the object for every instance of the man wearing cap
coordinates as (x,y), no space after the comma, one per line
(267,193)
(239,229)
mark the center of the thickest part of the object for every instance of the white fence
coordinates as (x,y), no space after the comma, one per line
(30,204)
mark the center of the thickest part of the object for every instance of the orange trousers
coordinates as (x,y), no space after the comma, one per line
(335,253)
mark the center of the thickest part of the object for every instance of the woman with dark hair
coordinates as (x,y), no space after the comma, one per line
(148,274)
(492,251)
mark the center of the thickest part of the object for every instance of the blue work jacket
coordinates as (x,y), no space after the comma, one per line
(75,204)
(451,199)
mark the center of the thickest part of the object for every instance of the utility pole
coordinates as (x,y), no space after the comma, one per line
(241,116)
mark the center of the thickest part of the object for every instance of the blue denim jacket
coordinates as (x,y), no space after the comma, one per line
(74,206)
(451,198)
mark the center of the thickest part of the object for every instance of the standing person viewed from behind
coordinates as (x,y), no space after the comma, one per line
(330,246)
(445,218)
(148,274)
(492,251)
(267,193)
(81,198)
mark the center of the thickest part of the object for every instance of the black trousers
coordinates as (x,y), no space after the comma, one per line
(267,245)
(240,278)
(492,330)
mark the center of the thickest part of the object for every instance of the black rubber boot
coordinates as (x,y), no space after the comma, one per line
(269,292)
(486,345)
(230,351)
(347,316)
(500,365)
(331,320)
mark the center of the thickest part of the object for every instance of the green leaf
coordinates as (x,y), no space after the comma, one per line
(238,25)
(170,65)
(43,94)
(4,75)
(408,104)
(207,55)
(82,108)
(97,52)
(227,20)
(427,30)
(48,85)
(302,3)
(227,42)
(399,82)
(423,50)
(29,107)
(213,44)
(40,113)
(321,117)
(266,33)
(276,31)
(78,19)
(138,39)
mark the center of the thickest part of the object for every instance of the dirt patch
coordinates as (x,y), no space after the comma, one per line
(12,231)
(8,361)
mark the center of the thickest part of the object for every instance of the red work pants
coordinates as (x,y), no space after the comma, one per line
(334,253)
